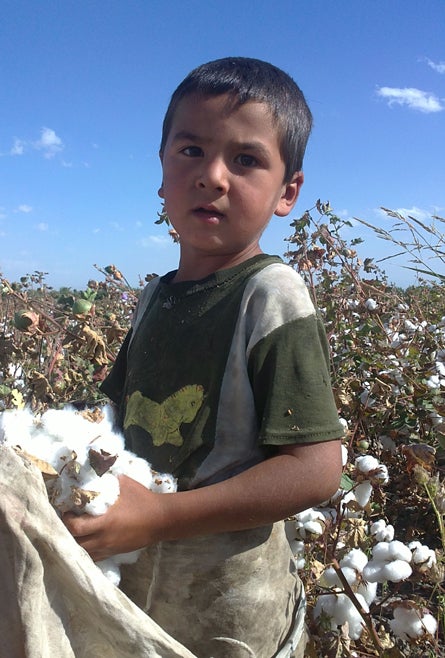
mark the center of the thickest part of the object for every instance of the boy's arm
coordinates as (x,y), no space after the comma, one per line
(298,477)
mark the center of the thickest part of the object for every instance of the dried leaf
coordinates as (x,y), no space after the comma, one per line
(419,454)
(81,497)
(95,415)
(48,472)
(41,387)
(101,461)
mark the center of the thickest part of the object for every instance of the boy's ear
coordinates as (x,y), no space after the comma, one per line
(161,189)
(290,194)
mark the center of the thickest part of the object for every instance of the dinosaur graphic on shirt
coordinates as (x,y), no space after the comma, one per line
(163,420)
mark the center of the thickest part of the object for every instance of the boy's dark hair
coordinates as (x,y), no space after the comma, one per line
(247,79)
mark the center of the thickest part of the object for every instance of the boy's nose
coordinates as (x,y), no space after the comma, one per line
(213,175)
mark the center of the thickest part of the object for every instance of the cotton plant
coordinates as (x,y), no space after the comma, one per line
(410,622)
(81,460)
(349,587)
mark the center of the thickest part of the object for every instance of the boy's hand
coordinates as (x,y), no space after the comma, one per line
(127,525)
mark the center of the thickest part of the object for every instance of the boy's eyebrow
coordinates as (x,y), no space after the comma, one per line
(248,146)
(184,134)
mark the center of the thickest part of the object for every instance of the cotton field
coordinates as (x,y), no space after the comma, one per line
(372,557)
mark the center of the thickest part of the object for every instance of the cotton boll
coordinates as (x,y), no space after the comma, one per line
(110,566)
(410,623)
(396,571)
(108,441)
(134,467)
(326,604)
(372,573)
(368,591)
(348,498)
(355,559)
(340,609)
(433,382)
(111,570)
(390,561)
(422,555)
(399,551)
(366,463)
(329,578)
(344,455)
(16,426)
(381,531)
(89,457)
(394,550)
(363,493)
(107,486)
(163,483)
(346,611)
(309,521)
(369,465)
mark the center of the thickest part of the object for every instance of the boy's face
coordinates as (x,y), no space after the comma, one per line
(223,178)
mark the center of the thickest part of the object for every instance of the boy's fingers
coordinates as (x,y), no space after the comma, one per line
(79,526)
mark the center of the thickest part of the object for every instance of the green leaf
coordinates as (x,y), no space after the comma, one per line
(346,483)
(4,390)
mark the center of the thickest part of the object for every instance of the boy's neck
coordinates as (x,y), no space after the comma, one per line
(200,267)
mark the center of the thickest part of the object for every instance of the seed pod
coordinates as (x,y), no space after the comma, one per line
(25,320)
(82,307)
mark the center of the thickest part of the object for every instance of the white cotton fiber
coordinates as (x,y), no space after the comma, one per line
(88,457)
(366,463)
(422,555)
(340,609)
(363,493)
(396,571)
(381,531)
(368,591)
(356,559)
(390,561)
(410,623)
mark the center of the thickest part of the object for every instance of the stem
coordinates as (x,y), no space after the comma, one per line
(356,603)
(438,514)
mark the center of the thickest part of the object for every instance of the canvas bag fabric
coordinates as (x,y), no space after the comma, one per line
(55,603)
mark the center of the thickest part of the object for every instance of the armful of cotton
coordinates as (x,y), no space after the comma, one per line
(81,458)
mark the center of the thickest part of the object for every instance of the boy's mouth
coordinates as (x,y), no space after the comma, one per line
(208,212)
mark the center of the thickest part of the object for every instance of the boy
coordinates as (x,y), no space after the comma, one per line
(223,379)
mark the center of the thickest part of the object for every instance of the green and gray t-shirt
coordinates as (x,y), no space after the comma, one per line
(215,374)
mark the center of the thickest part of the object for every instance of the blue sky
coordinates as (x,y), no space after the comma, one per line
(85,84)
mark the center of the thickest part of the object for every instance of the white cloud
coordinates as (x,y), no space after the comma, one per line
(18,147)
(24,208)
(416,99)
(436,66)
(419,213)
(116,226)
(42,226)
(49,143)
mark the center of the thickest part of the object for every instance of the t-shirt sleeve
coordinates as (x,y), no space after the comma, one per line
(113,384)
(291,384)
(288,366)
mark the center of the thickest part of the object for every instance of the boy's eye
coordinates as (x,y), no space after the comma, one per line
(192,151)
(246,160)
